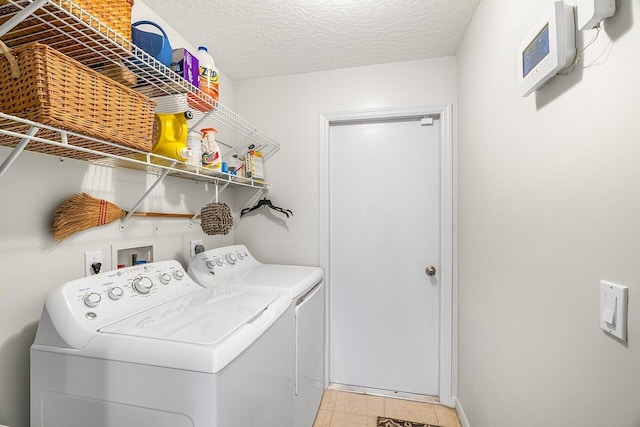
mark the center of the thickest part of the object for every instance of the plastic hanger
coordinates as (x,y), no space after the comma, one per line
(266,202)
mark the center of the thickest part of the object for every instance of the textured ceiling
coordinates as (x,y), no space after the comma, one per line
(257,38)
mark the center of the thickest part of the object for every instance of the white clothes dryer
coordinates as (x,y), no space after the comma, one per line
(234,267)
(146,346)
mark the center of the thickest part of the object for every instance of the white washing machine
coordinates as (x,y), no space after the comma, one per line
(146,346)
(234,267)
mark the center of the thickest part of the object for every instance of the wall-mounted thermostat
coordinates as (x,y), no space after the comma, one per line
(549,48)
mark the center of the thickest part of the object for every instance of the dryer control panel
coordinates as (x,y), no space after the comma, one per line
(233,266)
(83,306)
(224,263)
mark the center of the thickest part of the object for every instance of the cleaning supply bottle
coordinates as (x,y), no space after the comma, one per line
(194,143)
(211,155)
(171,135)
(208,80)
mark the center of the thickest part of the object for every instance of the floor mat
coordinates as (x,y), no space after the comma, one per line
(392,422)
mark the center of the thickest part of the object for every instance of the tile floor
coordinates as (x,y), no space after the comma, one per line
(347,409)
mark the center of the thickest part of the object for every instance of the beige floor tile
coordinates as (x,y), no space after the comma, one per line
(328,399)
(346,409)
(342,419)
(323,418)
(359,404)
(447,417)
(410,411)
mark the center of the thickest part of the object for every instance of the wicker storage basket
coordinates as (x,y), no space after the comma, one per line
(58,91)
(115,14)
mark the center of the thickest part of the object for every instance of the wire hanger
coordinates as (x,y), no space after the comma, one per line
(266,202)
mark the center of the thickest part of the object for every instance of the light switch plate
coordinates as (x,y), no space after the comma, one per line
(613,297)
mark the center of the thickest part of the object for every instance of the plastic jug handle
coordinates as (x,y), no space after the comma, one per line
(135,24)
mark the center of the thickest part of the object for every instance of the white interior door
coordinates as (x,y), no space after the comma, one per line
(384,226)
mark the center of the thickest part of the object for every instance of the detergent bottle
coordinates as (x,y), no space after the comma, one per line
(211,155)
(171,135)
(208,81)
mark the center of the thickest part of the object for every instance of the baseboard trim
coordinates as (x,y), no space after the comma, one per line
(384,393)
(463,418)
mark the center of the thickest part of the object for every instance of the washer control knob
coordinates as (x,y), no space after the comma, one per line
(230,258)
(211,264)
(142,285)
(115,293)
(92,299)
(220,261)
(178,274)
(165,278)
(241,256)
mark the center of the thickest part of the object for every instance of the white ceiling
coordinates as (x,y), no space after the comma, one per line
(258,38)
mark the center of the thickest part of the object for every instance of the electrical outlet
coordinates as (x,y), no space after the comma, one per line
(92,263)
(192,247)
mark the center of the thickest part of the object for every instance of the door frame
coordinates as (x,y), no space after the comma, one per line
(444,113)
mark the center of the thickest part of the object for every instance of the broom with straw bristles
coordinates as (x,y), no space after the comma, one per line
(83,211)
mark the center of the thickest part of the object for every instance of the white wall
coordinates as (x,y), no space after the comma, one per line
(288,108)
(549,203)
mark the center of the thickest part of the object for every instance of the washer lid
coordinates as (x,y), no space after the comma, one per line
(290,279)
(205,316)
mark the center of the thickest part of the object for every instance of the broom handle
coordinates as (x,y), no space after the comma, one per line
(163,214)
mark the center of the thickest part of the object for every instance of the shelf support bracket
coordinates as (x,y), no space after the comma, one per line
(21,16)
(204,117)
(18,149)
(220,191)
(144,196)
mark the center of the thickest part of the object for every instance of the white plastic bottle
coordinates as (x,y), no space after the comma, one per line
(208,80)
(194,143)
